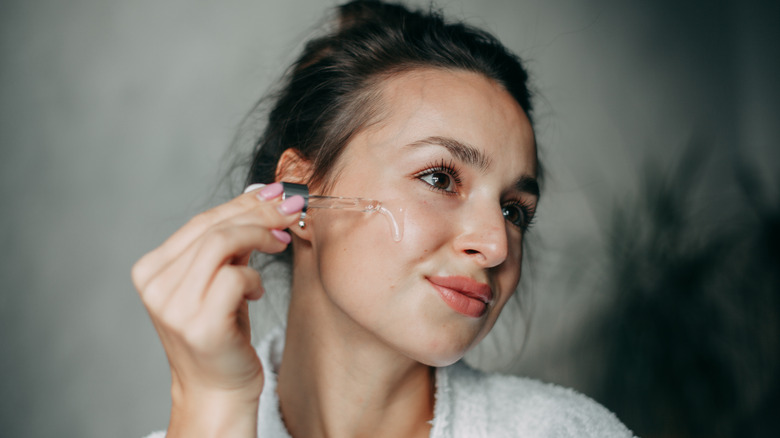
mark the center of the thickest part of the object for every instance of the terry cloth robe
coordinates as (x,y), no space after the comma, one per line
(471,404)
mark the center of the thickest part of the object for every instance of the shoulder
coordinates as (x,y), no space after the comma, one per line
(504,405)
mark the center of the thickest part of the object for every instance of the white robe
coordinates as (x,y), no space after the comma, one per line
(470,404)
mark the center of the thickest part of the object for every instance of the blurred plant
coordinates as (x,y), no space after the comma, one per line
(691,342)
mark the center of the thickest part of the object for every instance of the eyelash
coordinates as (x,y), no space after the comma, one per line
(448,167)
(529,213)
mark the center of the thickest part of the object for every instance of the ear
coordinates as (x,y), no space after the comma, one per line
(293,167)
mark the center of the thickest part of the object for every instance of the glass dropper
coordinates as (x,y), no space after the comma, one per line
(342,203)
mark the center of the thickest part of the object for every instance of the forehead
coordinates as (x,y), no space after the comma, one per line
(464,106)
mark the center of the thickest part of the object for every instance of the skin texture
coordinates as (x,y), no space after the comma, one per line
(365,324)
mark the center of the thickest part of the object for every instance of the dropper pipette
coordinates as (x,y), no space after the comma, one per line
(340,203)
(333,202)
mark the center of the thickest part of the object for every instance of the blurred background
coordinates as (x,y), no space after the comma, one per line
(654,274)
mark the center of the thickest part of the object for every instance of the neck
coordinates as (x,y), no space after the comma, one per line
(337,379)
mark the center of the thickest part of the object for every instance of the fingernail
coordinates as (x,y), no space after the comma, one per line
(251,187)
(270,191)
(291,205)
(282,236)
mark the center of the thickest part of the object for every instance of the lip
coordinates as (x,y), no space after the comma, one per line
(464,295)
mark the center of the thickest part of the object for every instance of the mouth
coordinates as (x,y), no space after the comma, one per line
(464,295)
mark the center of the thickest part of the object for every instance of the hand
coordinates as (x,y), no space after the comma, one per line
(195,287)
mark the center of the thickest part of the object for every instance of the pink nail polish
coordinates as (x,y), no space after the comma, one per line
(270,191)
(282,236)
(291,205)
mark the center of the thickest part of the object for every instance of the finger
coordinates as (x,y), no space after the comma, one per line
(232,286)
(159,290)
(178,267)
(223,246)
(222,315)
(169,278)
(155,261)
(265,214)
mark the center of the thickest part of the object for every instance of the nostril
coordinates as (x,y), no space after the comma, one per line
(472,251)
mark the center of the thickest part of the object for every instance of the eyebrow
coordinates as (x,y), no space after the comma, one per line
(528,184)
(463,152)
(474,157)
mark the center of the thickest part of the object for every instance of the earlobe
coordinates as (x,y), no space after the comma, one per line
(302,228)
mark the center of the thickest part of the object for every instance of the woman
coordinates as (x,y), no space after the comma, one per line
(431,119)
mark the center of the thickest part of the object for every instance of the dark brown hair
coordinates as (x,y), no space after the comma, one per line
(330,92)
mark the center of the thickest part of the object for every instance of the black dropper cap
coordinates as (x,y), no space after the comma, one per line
(292,189)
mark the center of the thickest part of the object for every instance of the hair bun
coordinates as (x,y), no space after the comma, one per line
(362,12)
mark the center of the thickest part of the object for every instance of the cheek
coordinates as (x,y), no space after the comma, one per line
(362,246)
(508,275)
(351,241)
(425,229)
(514,263)
(356,254)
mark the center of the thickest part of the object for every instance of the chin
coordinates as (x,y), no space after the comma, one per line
(443,349)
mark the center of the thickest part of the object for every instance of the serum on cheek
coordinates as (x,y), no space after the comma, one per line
(394,214)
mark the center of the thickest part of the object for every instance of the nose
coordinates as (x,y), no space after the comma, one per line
(482,236)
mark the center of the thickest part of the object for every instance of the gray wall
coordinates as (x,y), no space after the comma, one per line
(115,117)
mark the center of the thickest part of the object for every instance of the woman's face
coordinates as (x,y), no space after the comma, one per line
(456,153)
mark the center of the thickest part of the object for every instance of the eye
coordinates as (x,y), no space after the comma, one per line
(441,177)
(440,181)
(518,214)
(513,213)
